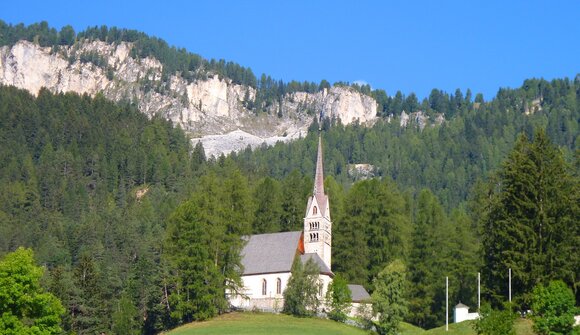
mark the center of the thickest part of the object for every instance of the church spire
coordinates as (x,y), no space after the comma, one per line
(319,176)
(317,224)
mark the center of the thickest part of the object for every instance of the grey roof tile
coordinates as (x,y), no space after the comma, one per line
(321,265)
(270,253)
(358,293)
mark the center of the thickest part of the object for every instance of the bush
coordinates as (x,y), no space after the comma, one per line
(301,294)
(553,308)
(495,322)
(338,299)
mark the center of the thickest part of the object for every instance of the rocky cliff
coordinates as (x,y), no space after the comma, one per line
(206,109)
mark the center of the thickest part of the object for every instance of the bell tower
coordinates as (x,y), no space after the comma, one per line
(317,223)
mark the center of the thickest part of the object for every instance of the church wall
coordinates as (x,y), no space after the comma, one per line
(253,291)
(272,301)
(326,280)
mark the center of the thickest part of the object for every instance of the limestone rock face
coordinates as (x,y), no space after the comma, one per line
(31,67)
(343,103)
(213,106)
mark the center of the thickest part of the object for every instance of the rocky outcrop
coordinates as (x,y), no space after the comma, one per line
(213,106)
(419,119)
(343,103)
(362,171)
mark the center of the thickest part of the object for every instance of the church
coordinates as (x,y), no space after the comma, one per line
(267,258)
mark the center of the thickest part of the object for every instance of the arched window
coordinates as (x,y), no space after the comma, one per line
(278,286)
(314,210)
(320,288)
(264,286)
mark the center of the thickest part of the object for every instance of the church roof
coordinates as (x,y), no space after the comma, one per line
(324,269)
(318,191)
(270,253)
(358,293)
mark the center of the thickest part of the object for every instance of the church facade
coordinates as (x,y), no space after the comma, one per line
(267,258)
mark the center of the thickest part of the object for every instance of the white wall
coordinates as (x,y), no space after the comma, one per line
(253,291)
(272,300)
(462,314)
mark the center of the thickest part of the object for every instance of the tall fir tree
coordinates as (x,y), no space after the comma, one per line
(429,262)
(268,200)
(531,224)
(204,241)
(390,297)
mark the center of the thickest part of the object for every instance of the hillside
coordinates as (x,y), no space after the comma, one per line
(249,323)
(117,204)
(202,97)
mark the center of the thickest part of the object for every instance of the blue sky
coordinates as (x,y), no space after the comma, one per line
(412,46)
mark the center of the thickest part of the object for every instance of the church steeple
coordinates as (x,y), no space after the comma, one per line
(319,175)
(317,224)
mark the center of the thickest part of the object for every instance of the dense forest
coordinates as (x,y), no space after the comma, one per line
(139,232)
(103,196)
(447,159)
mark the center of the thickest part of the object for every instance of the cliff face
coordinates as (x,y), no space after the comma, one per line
(204,107)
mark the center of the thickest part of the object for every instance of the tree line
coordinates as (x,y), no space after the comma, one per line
(191,66)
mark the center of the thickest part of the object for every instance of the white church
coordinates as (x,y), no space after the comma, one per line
(268,258)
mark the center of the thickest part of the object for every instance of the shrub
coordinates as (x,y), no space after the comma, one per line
(495,322)
(553,308)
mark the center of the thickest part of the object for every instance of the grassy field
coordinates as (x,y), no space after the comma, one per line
(265,323)
(522,326)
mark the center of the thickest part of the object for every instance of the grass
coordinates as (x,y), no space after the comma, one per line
(265,323)
(522,327)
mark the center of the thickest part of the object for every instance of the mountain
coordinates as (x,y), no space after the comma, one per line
(207,108)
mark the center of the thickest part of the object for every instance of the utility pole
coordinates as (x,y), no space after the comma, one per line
(446,304)
(510,284)
(478,291)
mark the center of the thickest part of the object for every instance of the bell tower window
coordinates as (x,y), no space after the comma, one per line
(313,237)
(314,210)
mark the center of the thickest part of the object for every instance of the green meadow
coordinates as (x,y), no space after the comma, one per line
(265,323)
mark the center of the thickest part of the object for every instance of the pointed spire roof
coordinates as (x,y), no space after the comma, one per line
(319,175)
(318,191)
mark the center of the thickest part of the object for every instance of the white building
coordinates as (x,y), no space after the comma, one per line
(359,297)
(268,258)
(461,313)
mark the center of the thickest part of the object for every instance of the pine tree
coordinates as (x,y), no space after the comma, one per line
(268,200)
(204,241)
(531,223)
(126,317)
(350,235)
(376,225)
(464,258)
(390,297)
(429,262)
(292,202)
